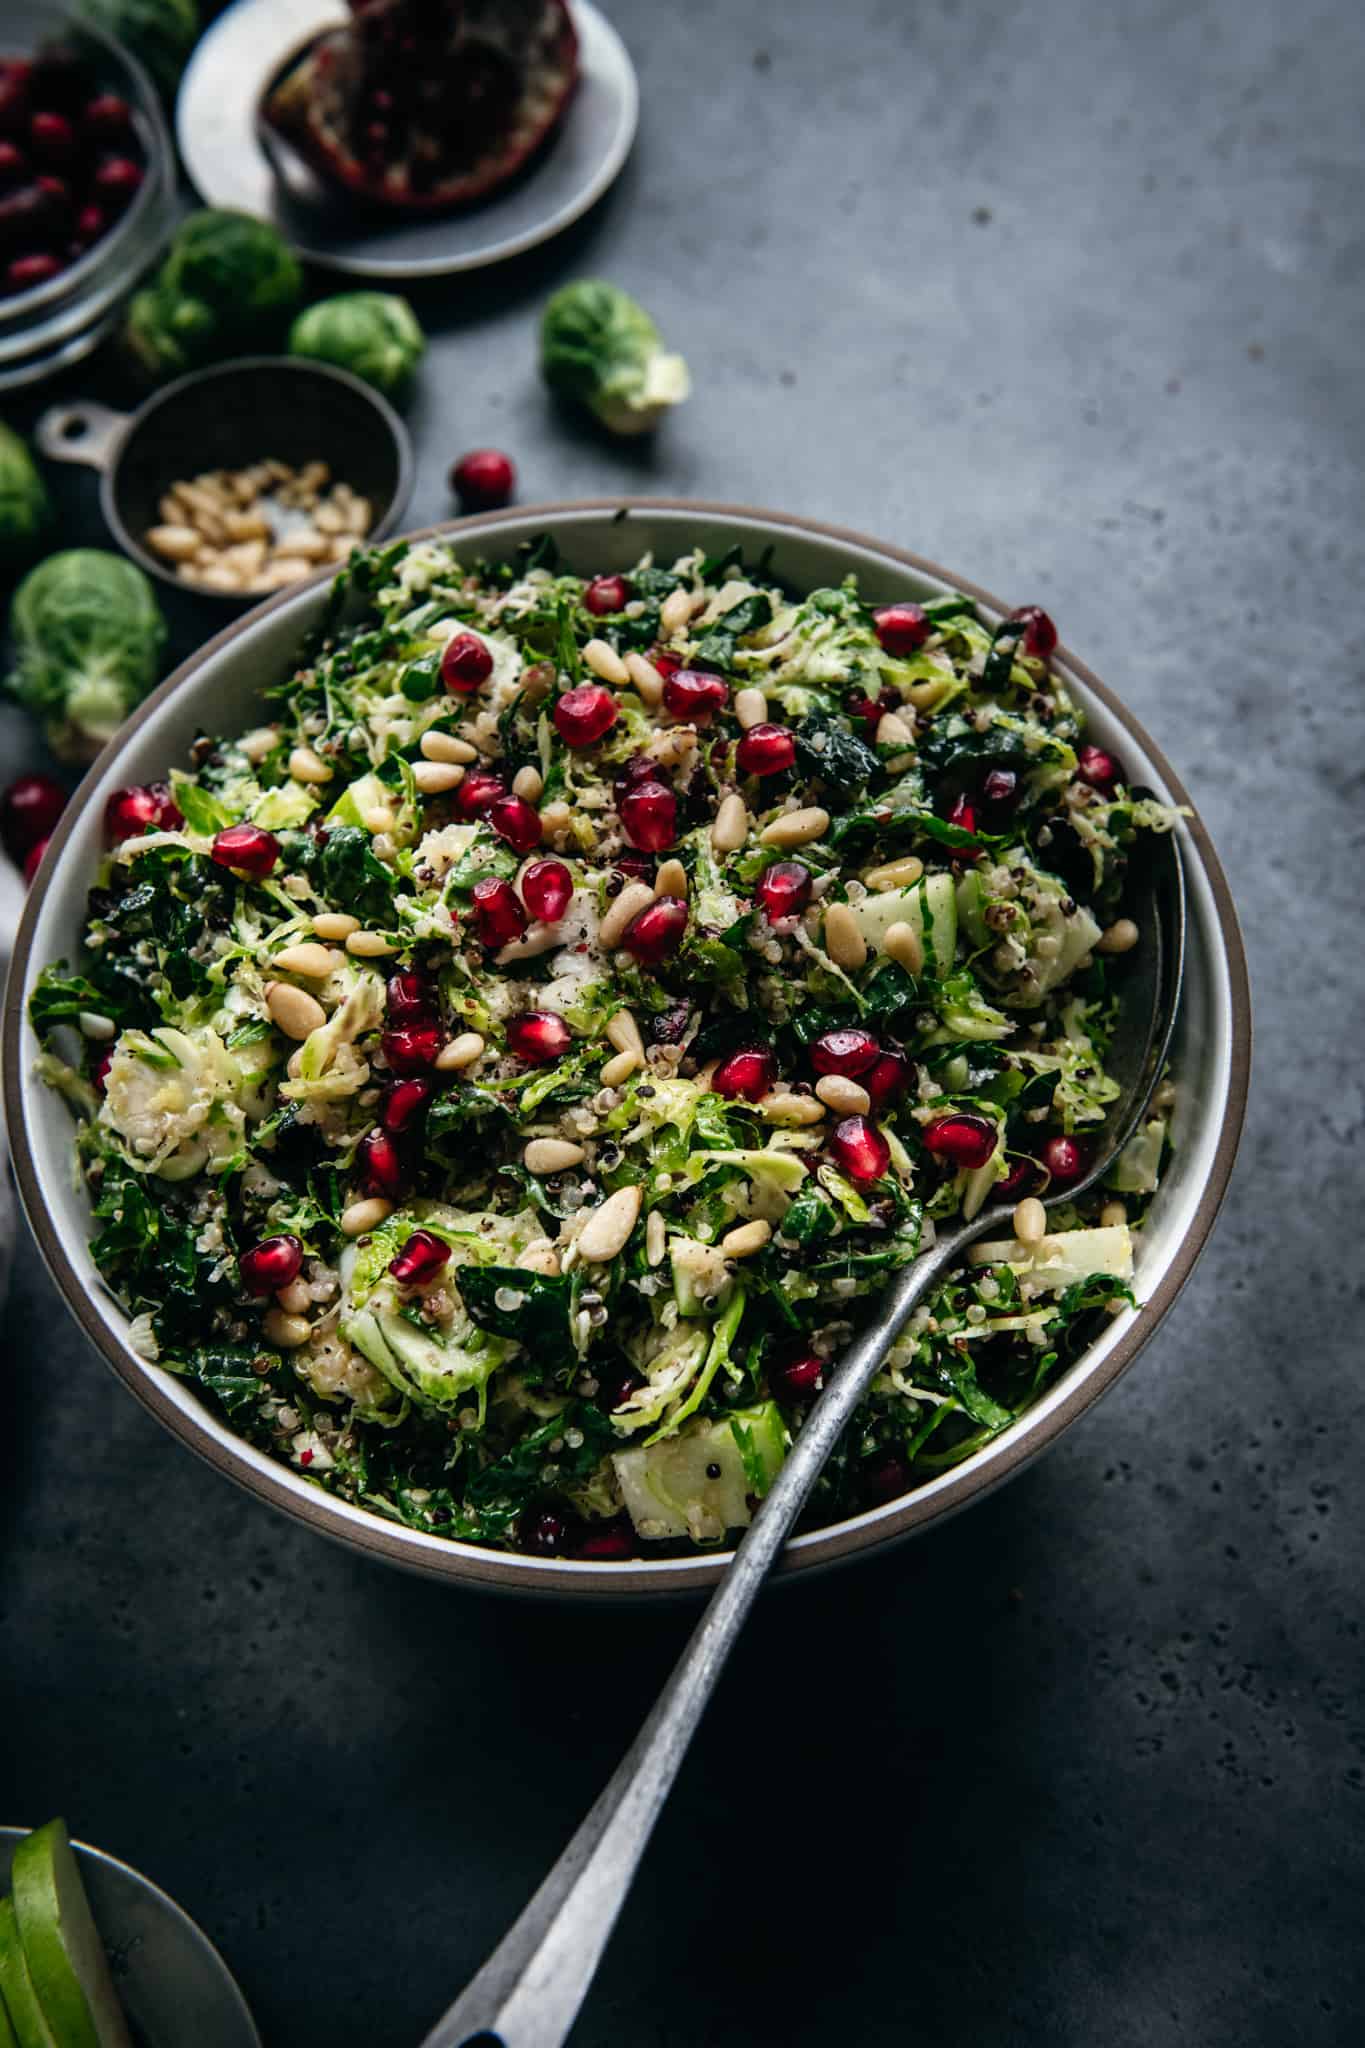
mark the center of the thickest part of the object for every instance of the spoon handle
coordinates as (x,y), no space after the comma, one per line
(528,1993)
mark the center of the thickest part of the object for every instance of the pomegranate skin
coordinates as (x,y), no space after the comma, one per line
(691,694)
(465,664)
(585,715)
(850,1052)
(246,847)
(420,1260)
(860,1149)
(799,1379)
(1065,1159)
(746,1076)
(412,1048)
(784,889)
(380,1165)
(962,1140)
(1098,767)
(1039,635)
(477,794)
(516,822)
(606,594)
(766,750)
(656,934)
(546,890)
(404,1104)
(29,810)
(483,480)
(499,918)
(649,816)
(538,1036)
(901,628)
(271,1264)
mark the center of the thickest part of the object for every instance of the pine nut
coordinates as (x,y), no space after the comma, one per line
(675,611)
(619,1070)
(844,1097)
(94,1024)
(555,820)
(895,874)
(259,743)
(285,1332)
(174,543)
(730,826)
(796,828)
(358,1217)
(925,695)
(844,941)
(304,546)
(751,707)
(1121,937)
(656,1237)
(903,944)
(369,946)
(892,731)
(649,684)
(246,526)
(635,897)
(551,1155)
(307,766)
(296,1012)
(746,1238)
(335,924)
(295,1298)
(434,778)
(529,784)
(604,661)
(624,1032)
(310,961)
(671,879)
(539,1258)
(784,1107)
(443,746)
(461,1052)
(1112,1214)
(377,819)
(1030,1221)
(607,1230)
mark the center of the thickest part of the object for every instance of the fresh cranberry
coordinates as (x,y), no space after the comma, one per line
(380,1164)
(13,169)
(606,594)
(99,1073)
(247,847)
(963,1139)
(695,696)
(1039,635)
(498,914)
(477,794)
(784,888)
(649,816)
(539,1036)
(33,859)
(483,480)
(408,997)
(466,662)
(860,1149)
(1000,789)
(516,822)
(543,1532)
(745,1076)
(606,1542)
(885,1478)
(963,815)
(52,140)
(412,1048)
(887,1079)
(29,810)
(546,889)
(107,118)
(766,750)
(147,807)
(1065,1159)
(26,273)
(1024,1178)
(1099,768)
(271,1264)
(404,1103)
(799,1379)
(117,182)
(585,715)
(420,1260)
(91,223)
(656,934)
(901,628)
(849,1051)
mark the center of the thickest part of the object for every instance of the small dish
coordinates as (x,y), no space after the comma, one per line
(216,128)
(174,1985)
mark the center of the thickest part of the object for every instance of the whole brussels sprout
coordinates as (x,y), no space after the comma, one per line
(228,284)
(373,334)
(601,349)
(87,637)
(25,511)
(160,34)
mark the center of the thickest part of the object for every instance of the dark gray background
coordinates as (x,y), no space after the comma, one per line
(1068,296)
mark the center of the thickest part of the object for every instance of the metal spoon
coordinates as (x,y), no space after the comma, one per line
(528,1993)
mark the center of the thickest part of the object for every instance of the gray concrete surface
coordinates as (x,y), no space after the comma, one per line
(1070,297)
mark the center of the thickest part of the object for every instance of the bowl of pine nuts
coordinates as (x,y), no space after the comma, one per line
(239,480)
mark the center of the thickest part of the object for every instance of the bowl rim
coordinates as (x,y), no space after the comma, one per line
(466,1563)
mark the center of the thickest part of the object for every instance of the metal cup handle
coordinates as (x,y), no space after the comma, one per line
(85,433)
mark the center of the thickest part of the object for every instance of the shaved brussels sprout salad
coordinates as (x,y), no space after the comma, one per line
(506,1075)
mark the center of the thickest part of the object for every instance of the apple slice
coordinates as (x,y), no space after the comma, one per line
(61,1943)
(25,2024)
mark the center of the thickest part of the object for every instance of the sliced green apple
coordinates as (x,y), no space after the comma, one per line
(61,1943)
(23,2016)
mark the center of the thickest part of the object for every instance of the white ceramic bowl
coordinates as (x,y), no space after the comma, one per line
(219,690)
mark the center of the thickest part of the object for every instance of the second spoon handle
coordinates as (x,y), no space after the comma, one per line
(528,1993)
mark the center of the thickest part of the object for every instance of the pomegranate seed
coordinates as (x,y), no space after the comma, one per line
(1040,635)
(745,1076)
(1066,1160)
(849,1051)
(639,768)
(887,1078)
(634,867)
(404,1104)
(421,1258)
(868,709)
(498,914)
(766,750)
(604,1542)
(585,715)
(1024,1178)
(246,847)
(33,859)
(478,793)
(784,888)
(381,1167)
(1000,788)
(515,821)
(695,696)
(665,661)
(649,816)
(885,1478)
(99,1073)
(52,140)
(147,807)
(963,1140)
(860,1149)
(606,594)
(963,815)
(26,273)
(412,1048)
(546,888)
(107,118)
(91,223)
(408,997)
(543,1532)
(656,934)
(1099,768)
(29,809)
(466,663)
(271,1264)
(483,479)
(618,1383)
(799,1378)
(901,628)
(539,1036)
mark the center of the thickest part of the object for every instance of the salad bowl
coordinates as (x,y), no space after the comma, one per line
(220,689)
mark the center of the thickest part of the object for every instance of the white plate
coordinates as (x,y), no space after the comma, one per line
(215,126)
